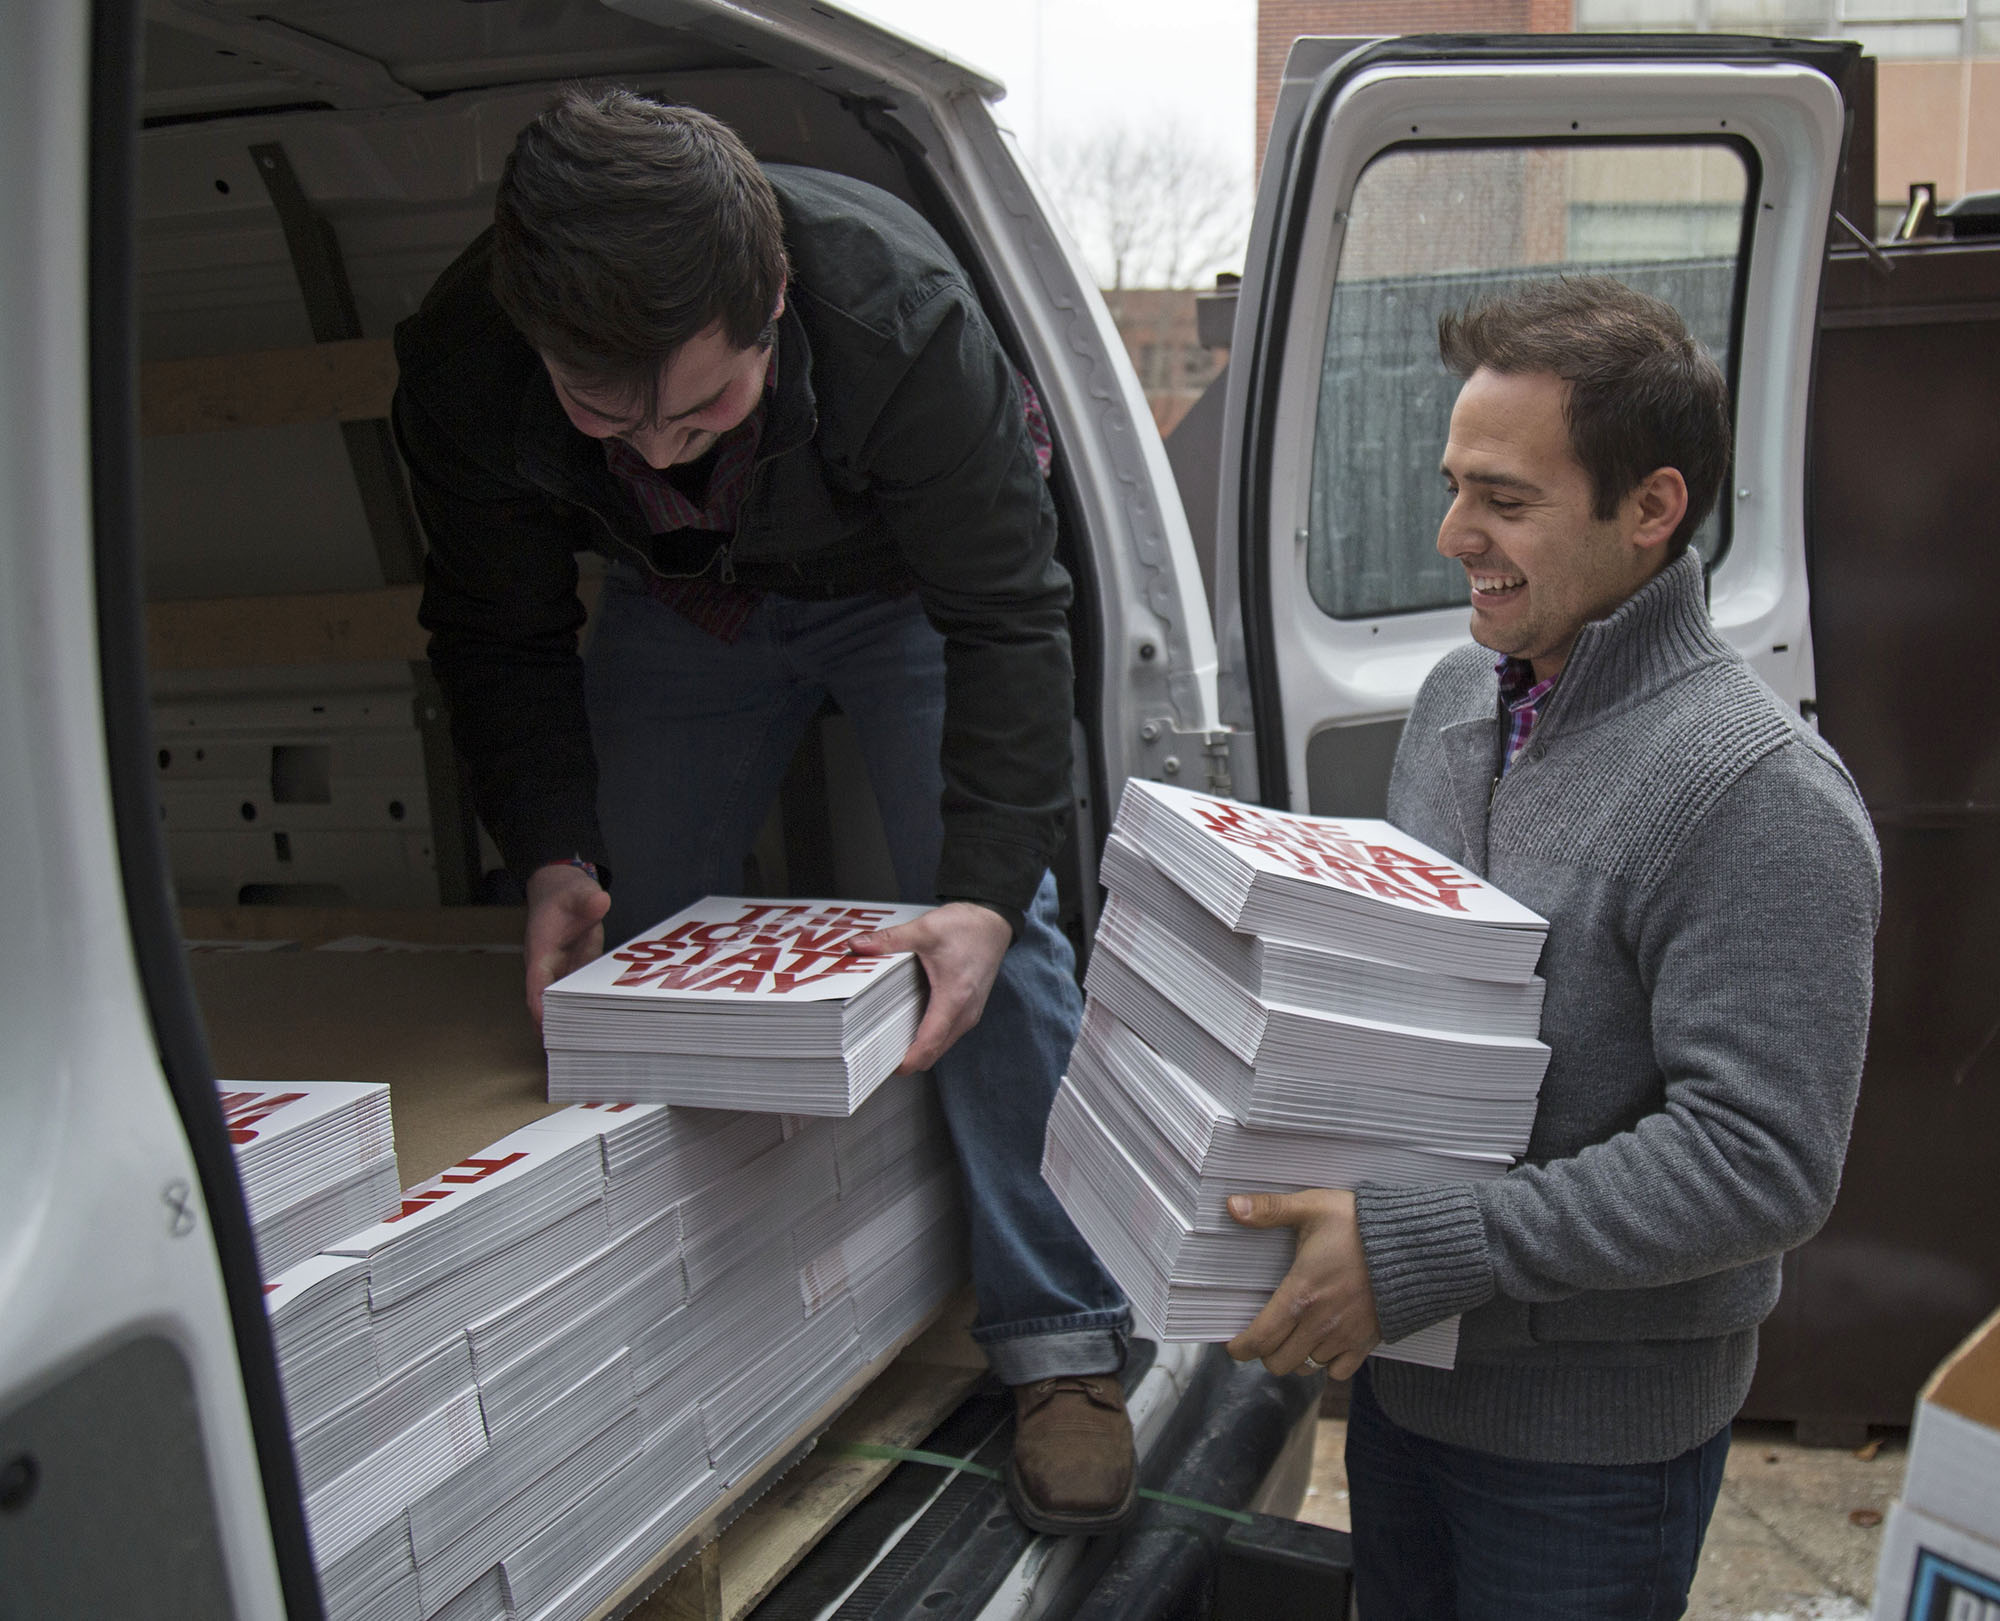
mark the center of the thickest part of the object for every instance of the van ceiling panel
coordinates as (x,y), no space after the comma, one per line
(211,58)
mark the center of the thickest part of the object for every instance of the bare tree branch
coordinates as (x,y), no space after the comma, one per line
(1152,207)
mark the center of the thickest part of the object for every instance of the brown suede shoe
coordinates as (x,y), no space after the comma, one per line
(1073,1468)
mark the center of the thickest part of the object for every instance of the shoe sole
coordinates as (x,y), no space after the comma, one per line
(1068,1525)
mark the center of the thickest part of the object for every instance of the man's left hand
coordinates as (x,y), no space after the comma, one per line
(960,945)
(1325,1308)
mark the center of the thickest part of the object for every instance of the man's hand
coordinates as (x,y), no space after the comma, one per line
(566,908)
(1325,1308)
(960,945)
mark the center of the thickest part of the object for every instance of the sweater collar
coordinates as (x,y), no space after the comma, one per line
(1654,637)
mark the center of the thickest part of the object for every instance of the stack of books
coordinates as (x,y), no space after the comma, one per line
(547,1363)
(738,1004)
(1278,1003)
(317,1160)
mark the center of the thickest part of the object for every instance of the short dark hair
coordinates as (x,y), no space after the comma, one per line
(1643,393)
(623,228)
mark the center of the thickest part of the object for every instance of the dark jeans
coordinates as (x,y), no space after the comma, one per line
(1444,1533)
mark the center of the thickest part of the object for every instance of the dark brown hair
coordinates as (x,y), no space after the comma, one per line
(623,228)
(1643,394)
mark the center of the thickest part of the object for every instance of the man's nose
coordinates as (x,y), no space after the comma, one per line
(658,445)
(1457,535)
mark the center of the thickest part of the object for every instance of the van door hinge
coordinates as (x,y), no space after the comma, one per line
(1188,759)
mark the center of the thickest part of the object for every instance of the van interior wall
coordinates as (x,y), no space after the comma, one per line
(294,775)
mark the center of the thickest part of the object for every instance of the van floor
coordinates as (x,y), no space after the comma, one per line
(1796,1530)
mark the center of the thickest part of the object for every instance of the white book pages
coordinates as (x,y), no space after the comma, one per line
(769,979)
(1356,1102)
(701,1146)
(573,1543)
(537,1503)
(319,1328)
(484,1599)
(899,1122)
(1291,1050)
(399,1601)
(532,1318)
(1198,1154)
(630,1557)
(298,1138)
(455,1507)
(1163,930)
(314,1298)
(792,1185)
(836,1257)
(327,1377)
(827,1084)
(1081,1146)
(1166,1306)
(521,1184)
(379,1562)
(416,1322)
(349,1508)
(515,1392)
(1344,884)
(903,1295)
(751,1414)
(342,1439)
(691,1352)
(286,1237)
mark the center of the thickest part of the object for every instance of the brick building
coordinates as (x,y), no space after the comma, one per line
(1158,326)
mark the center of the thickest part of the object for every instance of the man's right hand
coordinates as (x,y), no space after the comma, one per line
(566,908)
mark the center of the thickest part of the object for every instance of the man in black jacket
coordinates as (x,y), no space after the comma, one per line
(770,399)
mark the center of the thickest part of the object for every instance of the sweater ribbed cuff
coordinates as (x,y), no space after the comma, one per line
(1426,1252)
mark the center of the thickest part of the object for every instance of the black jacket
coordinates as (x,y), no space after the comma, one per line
(893,453)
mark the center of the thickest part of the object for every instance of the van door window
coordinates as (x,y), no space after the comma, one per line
(1432,228)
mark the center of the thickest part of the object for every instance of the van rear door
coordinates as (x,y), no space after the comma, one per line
(1406,177)
(145,1467)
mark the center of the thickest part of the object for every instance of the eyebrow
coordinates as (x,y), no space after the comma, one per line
(1498,481)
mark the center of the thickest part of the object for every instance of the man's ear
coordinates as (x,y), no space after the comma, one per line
(1655,508)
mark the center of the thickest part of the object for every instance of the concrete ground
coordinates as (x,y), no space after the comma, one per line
(1795,1534)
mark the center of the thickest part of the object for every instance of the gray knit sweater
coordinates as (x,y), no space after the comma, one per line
(1712,884)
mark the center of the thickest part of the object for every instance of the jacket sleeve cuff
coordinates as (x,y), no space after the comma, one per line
(1426,1252)
(1016,918)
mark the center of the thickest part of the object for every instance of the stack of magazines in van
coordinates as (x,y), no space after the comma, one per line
(1277,1003)
(744,1004)
(317,1160)
(512,1395)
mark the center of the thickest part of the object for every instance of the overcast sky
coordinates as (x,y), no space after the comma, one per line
(1072,66)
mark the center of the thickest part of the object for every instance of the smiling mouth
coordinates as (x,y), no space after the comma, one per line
(1495,587)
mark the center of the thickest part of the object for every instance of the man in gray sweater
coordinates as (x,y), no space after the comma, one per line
(1712,886)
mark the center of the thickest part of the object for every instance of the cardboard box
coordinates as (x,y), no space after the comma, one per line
(1941,1551)
(1954,1472)
(1931,1571)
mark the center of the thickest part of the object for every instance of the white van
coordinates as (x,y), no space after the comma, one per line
(228,180)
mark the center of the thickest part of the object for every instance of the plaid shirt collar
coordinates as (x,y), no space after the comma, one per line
(1521,697)
(662,503)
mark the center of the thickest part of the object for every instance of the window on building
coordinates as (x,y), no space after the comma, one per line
(1430,229)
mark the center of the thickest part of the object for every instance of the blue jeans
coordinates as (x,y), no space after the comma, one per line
(693,736)
(1444,1532)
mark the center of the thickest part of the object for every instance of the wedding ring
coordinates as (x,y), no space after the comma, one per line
(1314,1363)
